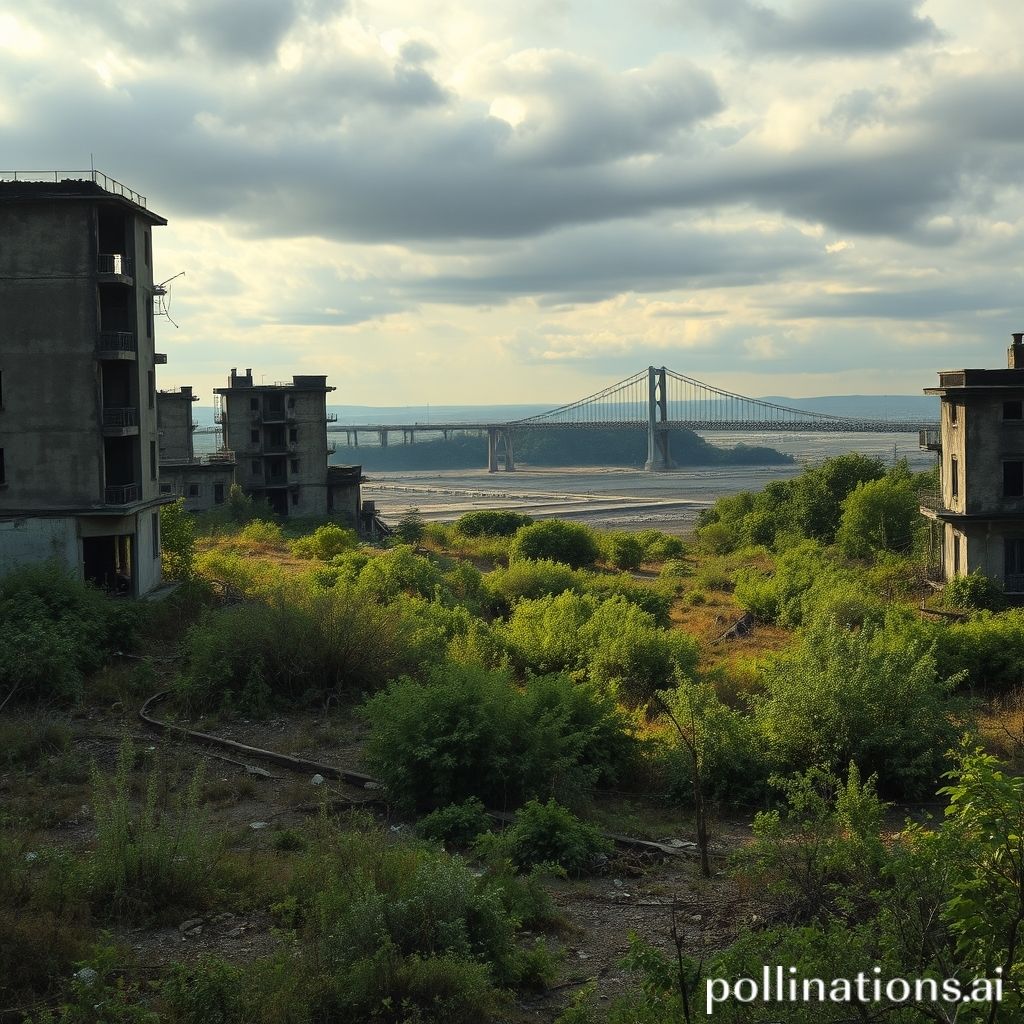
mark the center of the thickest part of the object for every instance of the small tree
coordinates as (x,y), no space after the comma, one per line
(410,527)
(177,540)
(879,515)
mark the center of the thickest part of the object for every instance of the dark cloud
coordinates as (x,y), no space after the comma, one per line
(820,26)
(231,30)
(598,262)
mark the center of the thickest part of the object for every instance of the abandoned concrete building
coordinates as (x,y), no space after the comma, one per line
(203,481)
(978,514)
(279,435)
(79,464)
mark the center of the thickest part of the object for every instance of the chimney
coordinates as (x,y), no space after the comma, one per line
(1015,353)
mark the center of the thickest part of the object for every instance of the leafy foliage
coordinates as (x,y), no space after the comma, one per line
(324,543)
(491,523)
(872,697)
(54,629)
(467,731)
(177,540)
(550,834)
(572,543)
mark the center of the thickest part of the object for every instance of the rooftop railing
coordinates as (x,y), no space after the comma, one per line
(105,182)
(125,416)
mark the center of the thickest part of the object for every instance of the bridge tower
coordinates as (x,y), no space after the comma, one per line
(658,458)
(496,437)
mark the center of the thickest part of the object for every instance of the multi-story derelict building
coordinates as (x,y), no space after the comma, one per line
(203,481)
(79,460)
(979,511)
(279,435)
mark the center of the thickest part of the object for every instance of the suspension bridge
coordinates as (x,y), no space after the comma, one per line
(655,398)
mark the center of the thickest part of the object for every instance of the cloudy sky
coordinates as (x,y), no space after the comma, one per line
(450,202)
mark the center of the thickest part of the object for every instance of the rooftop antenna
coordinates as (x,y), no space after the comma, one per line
(162,297)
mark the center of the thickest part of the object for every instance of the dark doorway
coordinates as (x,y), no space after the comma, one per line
(107,562)
(278,502)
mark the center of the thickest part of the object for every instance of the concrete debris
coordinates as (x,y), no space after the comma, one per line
(317,780)
(257,825)
(190,925)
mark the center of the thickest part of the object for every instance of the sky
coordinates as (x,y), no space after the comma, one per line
(451,202)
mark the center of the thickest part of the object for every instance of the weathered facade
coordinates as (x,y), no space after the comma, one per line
(79,460)
(203,481)
(278,433)
(979,511)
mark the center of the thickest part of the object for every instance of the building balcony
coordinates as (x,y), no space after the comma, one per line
(160,358)
(930,440)
(120,421)
(122,494)
(332,417)
(117,345)
(114,265)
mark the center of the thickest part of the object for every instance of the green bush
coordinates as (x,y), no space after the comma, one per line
(393,933)
(259,534)
(400,571)
(550,834)
(458,824)
(618,645)
(177,540)
(491,523)
(324,543)
(653,598)
(410,527)
(733,766)
(303,646)
(54,629)
(530,579)
(825,846)
(880,515)
(572,543)
(152,861)
(469,732)
(623,550)
(873,697)
(659,546)
(974,591)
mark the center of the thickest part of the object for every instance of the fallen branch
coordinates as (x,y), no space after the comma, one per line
(296,764)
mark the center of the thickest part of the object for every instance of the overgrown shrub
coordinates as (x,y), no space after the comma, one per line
(548,833)
(530,578)
(177,540)
(469,732)
(324,543)
(873,697)
(491,523)
(733,766)
(400,570)
(393,933)
(659,546)
(880,515)
(150,861)
(410,527)
(458,824)
(301,646)
(572,543)
(623,550)
(618,645)
(54,629)
(825,845)
(973,591)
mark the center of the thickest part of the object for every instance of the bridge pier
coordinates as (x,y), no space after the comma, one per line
(659,459)
(383,438)
(494,434)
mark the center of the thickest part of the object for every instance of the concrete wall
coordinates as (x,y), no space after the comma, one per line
(202,479)
(174,422)
(49,425)
(29,541)
(990,440)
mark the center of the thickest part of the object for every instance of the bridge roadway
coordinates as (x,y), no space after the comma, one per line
(814,426)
